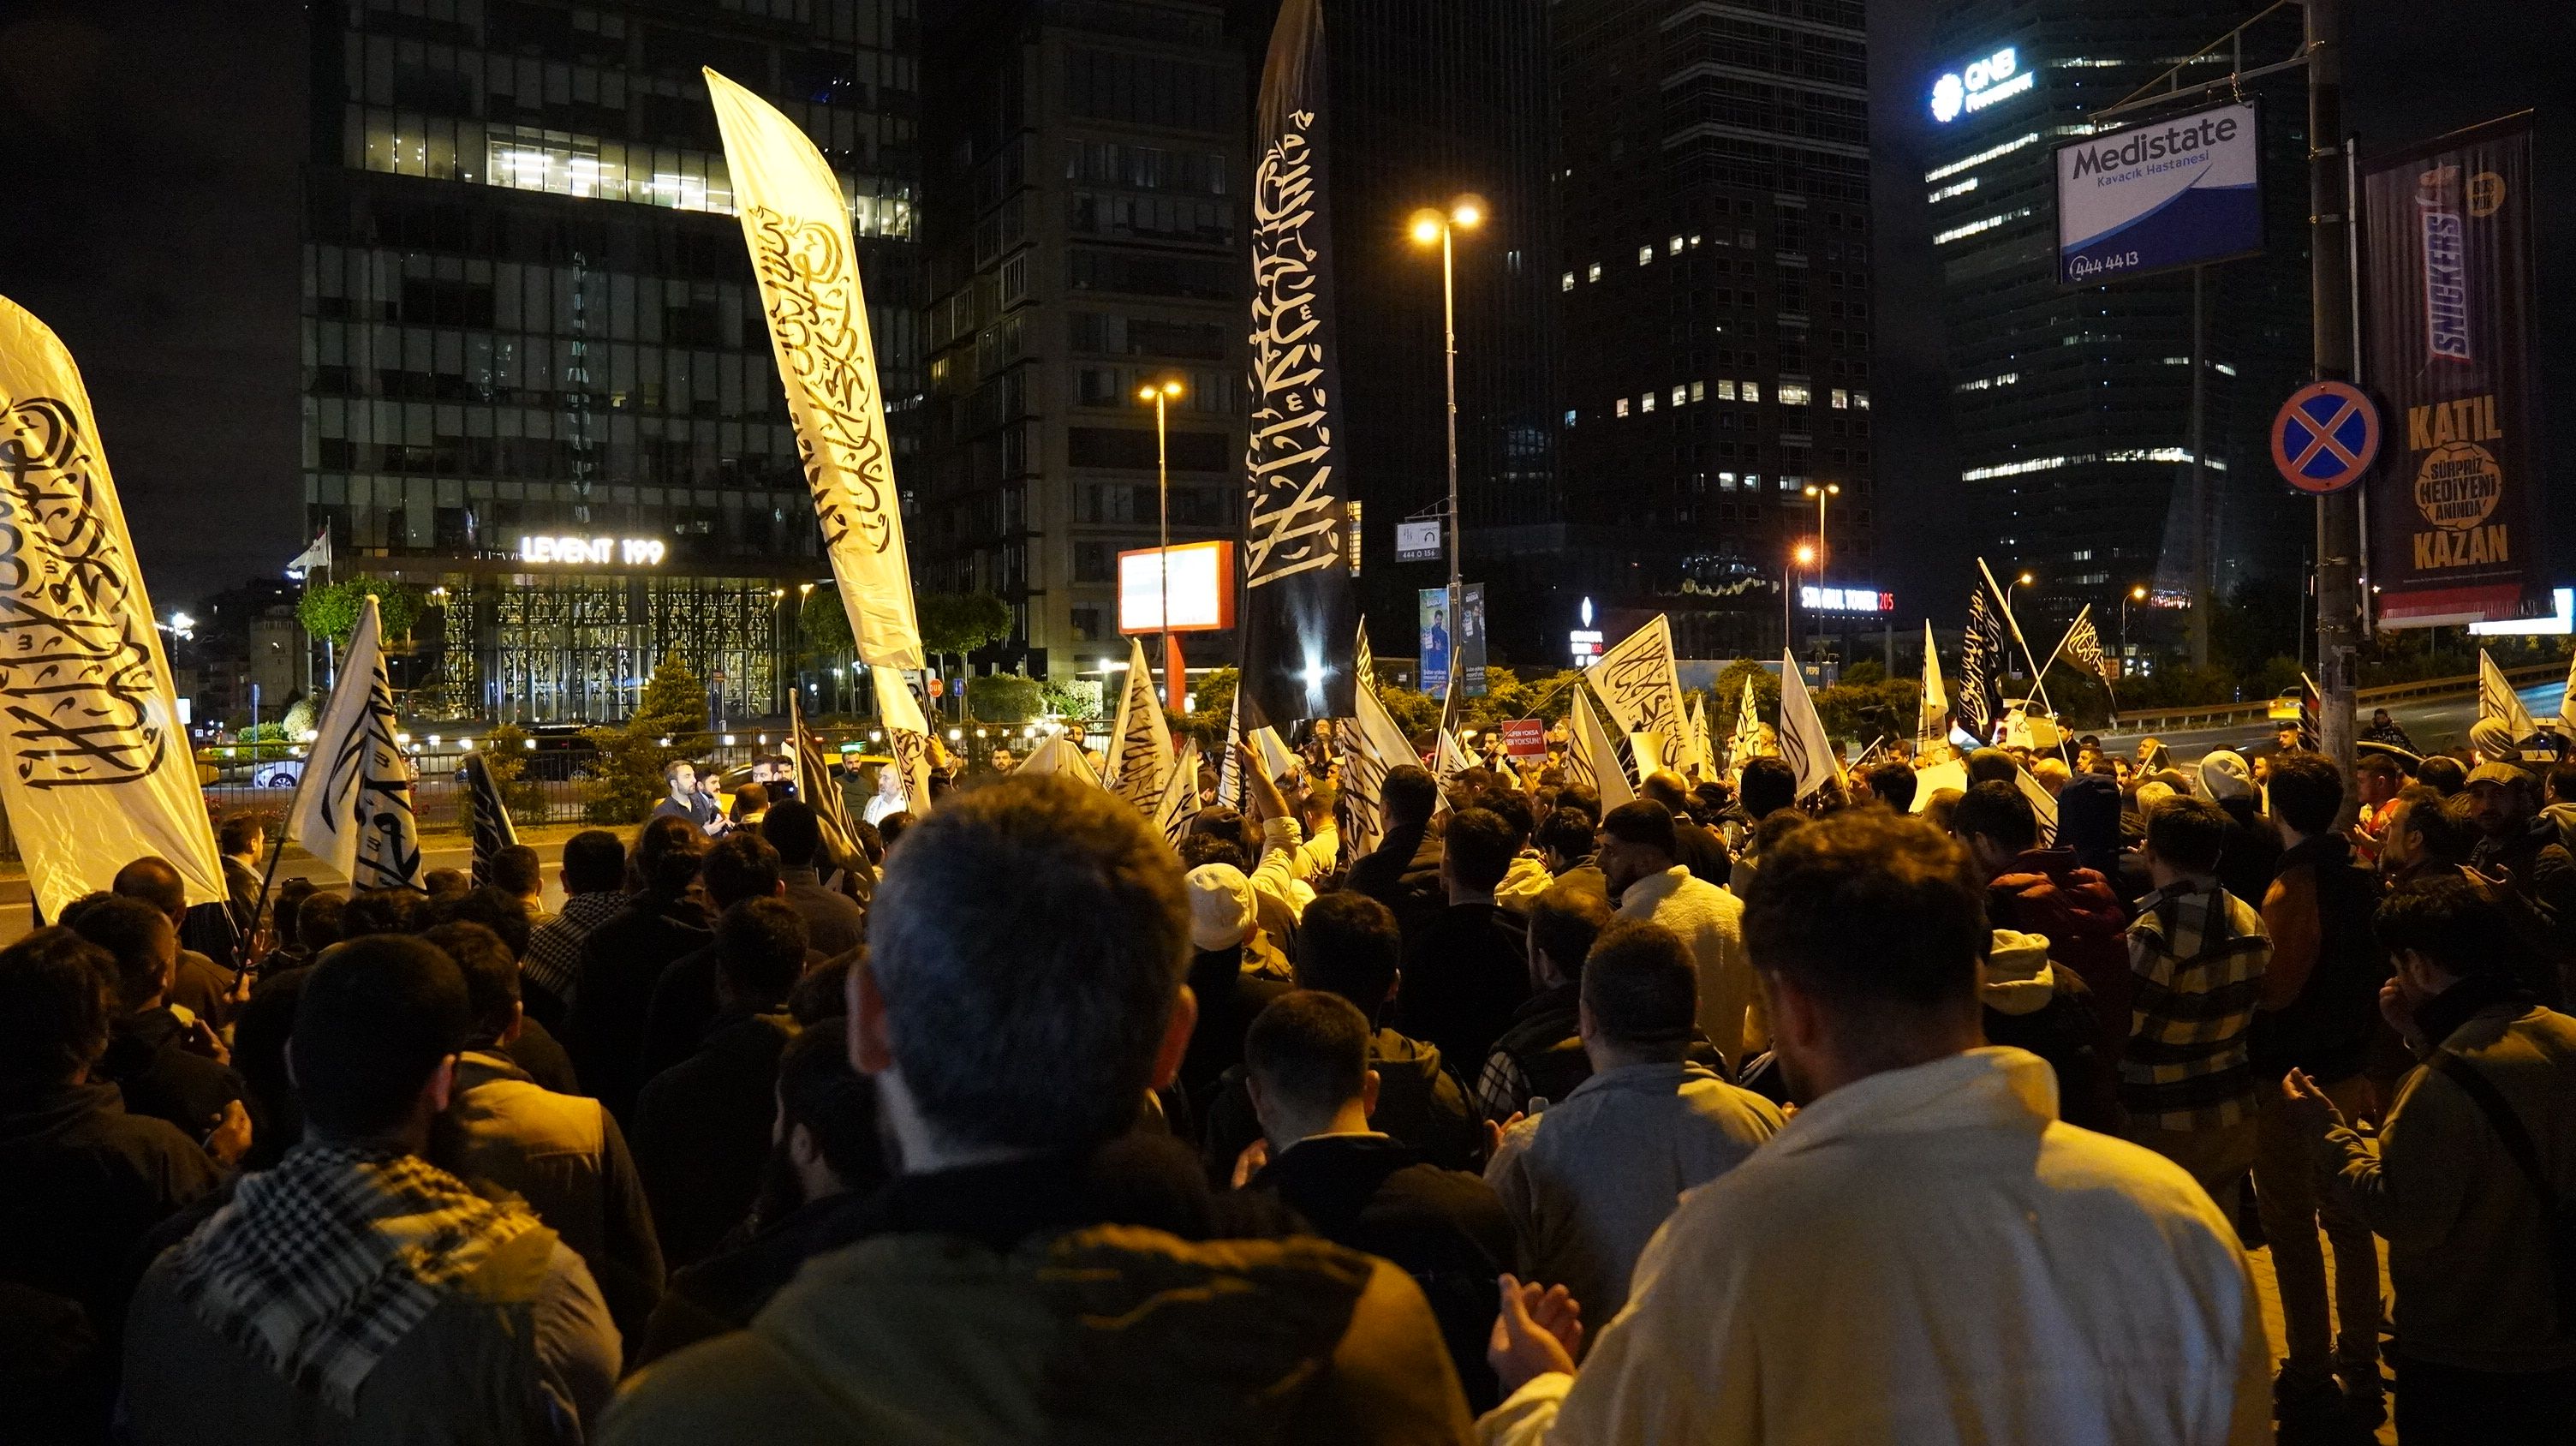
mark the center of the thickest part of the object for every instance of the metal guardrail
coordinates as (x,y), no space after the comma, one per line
(2212,715)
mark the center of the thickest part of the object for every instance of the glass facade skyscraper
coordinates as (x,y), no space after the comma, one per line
(536,376)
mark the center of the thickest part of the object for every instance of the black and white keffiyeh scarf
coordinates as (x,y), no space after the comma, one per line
(321,1266)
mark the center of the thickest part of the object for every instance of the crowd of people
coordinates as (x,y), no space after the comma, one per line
(1718,1115)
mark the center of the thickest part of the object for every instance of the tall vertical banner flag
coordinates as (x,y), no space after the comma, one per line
(352,807)
(907,734)
(487,817)
(1178,804)
(1803,743)
(1371,745)
(1980,704)
(796,219)
(1297,603)
(1140,761)
(1746,741)
(1638,682)
(2447,297)
(1932,718)
(1601,757)
(94,764)
(2497,699)
(814,772)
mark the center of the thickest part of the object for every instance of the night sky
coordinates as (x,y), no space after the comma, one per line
(153,152)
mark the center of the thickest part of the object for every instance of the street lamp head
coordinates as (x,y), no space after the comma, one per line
(1426,226)
(2024,579)
(2138,593)
(1172,387)
(1467,212)
(1806,554)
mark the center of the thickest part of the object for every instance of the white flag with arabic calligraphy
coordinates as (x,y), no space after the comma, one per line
(95,769)
(1638,682)
(353,807)
(1140,762)
(796,219)
(1599,757)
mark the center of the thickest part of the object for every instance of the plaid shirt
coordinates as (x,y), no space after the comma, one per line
(2198,954)
(554,950)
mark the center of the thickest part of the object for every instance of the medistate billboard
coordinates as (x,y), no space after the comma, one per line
(2155,197)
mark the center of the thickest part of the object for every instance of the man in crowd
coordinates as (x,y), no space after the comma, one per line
(2034,890)
(1234,972)
(686,800)
(1646,877)
(594,885)
(738,867)
(560,1153)
(1541,1056)
(355,1291)
(2427,834)
(1893,1266)
(1767,786)
(243,844)
(1022,996)
(1307,1059)
(2458,1179)
(168,1068)
(2197,956)
(1465,972)
(86,1178)
(201,986)
(623,959)
(2377,780)
(2319,1013)
(2519,850)
(702,1126)
(834,923)
(1403,871)
(1890,783)
(519,873)
(2384,729)
(1591,1180)
(1566,839)
(1697,847)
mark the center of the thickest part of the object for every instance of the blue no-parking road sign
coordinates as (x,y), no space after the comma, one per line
(2325,437)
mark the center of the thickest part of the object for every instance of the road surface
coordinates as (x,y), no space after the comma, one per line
(2434,723)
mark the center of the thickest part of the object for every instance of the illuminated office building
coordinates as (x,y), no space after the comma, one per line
(537,380)
(2070,407)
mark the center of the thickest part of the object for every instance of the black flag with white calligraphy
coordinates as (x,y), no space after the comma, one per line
(1980,703)
(1298,613)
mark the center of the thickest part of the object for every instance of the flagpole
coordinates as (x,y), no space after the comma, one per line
(2039,689)
(294,804)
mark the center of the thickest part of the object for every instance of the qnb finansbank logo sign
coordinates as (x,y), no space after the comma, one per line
(2154,197)
(1985,81)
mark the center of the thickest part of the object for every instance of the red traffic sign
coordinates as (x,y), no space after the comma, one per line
(2325,436)
(937,687)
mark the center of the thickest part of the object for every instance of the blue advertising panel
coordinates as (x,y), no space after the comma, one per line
(1433,605)
(2155,197)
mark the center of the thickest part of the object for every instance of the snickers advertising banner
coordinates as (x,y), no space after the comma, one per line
(2446,297)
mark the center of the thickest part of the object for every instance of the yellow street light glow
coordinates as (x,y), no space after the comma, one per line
(1426,226)
(1467,214)
(2138,594)
(2024,579)
(1806,554)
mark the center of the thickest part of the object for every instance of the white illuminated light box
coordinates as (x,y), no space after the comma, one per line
(2561,620)
(1202,589)
(1984,81)
(594,551)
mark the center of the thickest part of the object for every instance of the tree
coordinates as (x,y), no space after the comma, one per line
(961,623)
(331,610)
(1728,692)
(669,722)
(1006,698)
(505,757)
(824,623)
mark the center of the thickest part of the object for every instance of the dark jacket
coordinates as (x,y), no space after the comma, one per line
(85,1182)
(1403,873)
(149,1062)
(702,1132)
(204,988)
(1229,998)
(2067,1032)
(537,1051)
(2326,1029)
(1544,1047)
(2252,854)
(1463,977)
(621,962)
(1419,1103)
(1005,1302)
(2045,891)
(1702,850)
(834,922)
(2088,822)
(2541,908)
(724,1291)
(1445,1228)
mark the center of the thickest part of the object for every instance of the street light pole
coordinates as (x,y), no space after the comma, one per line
(2339,599)
(1465,213)
(1822,494)
(1160,395)
(2136,593)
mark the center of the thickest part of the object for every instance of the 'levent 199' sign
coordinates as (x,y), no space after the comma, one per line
(596,551)
(1985,80)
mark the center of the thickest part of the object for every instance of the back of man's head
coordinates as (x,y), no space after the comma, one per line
(1645,824)
(2440,832)
(1873,917)
(2561,778)
(57,997)
(2187,834)
(1767,786)
(742,865)
(795,831)
(1308,1054)
(2444,919)
(1991,765)
(1028,942)
(441,883)
(1997,812)
(1201,849)
(318,921)
(373,1024)
(518,870)
(2442,774)
(1568,833)
(503,913)
(239,834)
(2307,791)
(1316,807)
(1410,794)
(1349,944)
(1642,989)
(1666,787)
(667,854)
(382,911)
(151,879)
(491,973)
(1583,799)
(1511,806)
(760,949)
(1478,849)
(138,937)
(1564,922)
(1891,783)
(594,862)
(834,1104)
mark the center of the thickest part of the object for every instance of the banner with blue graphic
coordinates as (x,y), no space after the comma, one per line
(2156,197)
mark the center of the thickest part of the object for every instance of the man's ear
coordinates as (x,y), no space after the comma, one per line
(1176,1038)
(442,1085)
(871,1043)
(1368,1093)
